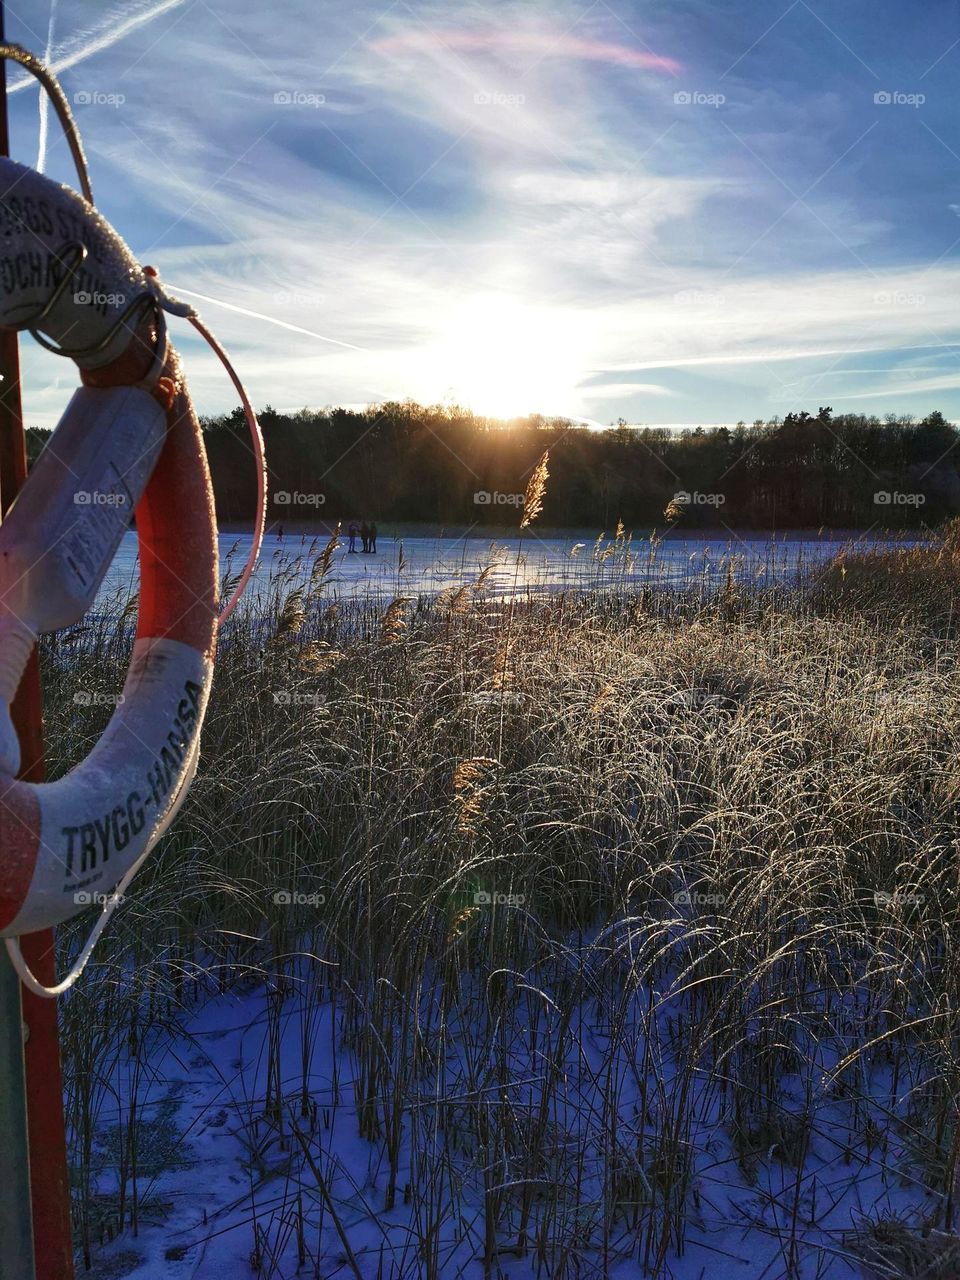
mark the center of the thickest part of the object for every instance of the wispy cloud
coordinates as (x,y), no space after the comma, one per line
(44,100)
(529,45)
(619,390)
(893,391)
(525,208)
(110,31)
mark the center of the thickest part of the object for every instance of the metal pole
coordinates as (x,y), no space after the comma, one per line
(16,1234)
(35,1236)
(16,1228)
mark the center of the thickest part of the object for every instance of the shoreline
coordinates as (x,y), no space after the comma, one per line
(499,533)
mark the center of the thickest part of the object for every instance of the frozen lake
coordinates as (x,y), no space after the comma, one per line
(514,565)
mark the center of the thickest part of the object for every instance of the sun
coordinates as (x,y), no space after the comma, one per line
(503,357)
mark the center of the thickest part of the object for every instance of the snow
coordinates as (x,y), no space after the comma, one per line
(234,1171)
(520,563)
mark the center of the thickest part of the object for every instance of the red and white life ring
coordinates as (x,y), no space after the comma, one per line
(65,842)
(129,441)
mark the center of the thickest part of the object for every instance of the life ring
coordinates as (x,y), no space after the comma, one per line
(129,441)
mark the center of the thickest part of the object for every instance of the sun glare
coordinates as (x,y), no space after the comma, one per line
(502,357)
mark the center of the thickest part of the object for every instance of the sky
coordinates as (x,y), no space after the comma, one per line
(672,213)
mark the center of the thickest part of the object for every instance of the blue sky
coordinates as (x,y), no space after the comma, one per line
(694,212)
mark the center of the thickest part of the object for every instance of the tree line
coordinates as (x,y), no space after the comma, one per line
(445,465)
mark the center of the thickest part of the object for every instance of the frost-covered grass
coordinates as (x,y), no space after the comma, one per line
(602,934)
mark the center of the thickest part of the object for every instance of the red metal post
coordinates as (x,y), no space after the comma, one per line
(49,1179)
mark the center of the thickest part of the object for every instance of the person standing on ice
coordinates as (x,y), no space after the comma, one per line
(365,536)
(373,537)
(353,531)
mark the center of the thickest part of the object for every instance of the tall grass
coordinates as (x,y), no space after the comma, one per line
(619,899)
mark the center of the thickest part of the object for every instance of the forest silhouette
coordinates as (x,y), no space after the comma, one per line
(442,464)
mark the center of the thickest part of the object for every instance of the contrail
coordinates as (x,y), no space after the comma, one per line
(102,41)
(258,315)
(44,99)
(766,357)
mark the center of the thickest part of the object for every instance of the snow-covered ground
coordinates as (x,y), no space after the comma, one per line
(306,1195)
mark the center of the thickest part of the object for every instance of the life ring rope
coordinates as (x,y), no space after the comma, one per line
(175,307)
(260,458)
